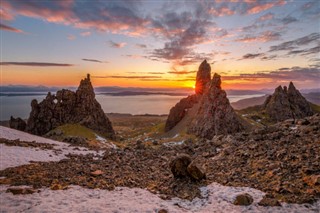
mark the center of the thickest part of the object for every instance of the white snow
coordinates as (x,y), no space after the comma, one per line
(218,198)
(11,156)
(173,143)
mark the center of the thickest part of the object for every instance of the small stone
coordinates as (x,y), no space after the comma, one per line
(21,191)
(179,165)
(269,202)
(163,211)
(243,200)
(96,173)
(195,171)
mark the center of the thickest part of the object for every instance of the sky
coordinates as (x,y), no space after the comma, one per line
(131,43)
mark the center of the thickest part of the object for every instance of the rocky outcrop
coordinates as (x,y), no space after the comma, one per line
(17,123)
(286,104)
(178,112)
(203,77)
(215,115)
(69,107)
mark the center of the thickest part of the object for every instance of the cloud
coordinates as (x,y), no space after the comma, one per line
(117,45)
(92,60)
(261,37)
(301,74)
(35,64)
(181,72)
(71,37)
(133,56)
(128,77)
(11,29)
(293,44)
(265,17)
(120,16)
(142,46)
(252,56)
(87,33)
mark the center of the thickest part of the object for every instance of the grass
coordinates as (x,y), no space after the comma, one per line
(77,130)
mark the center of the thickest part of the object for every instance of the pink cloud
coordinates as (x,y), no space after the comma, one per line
(11,29)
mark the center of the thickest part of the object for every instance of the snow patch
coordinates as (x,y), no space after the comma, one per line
(217,198)
(12,156)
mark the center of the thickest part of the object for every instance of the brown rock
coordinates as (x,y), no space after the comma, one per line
(179,166)
(269,202)
(69,107)
(203,77)
(21,191)
(243,200)
(17,123)
(179,111)
(96,173)
(286,104)
(195,171)
(163,211)
(215,115)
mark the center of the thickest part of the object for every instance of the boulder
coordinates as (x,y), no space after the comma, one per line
(243,200)
(69,107)
(179,165)
(17,123)
(195,171)
(269,202)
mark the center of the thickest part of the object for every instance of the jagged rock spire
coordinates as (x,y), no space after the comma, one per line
(203,77)
(67,106)
(286,104)
(215,115)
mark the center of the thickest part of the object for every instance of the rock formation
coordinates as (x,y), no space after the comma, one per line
(69,107)
(203,77)
(17,123)
(215,115)
(286,104)
(178,112)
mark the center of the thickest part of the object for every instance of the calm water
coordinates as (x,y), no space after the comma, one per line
(19,106)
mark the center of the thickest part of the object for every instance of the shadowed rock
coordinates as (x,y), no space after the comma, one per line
(178,166)
(243,200)
(286,104)
(203,77)
(17,123)
(69,107)
(215,115)
(179,111)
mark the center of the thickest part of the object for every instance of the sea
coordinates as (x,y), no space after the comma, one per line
(19,106)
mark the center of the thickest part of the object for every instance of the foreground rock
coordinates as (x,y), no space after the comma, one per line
(179,166)
(182,167)
(215,115)
(286,104)
(69,107)
(243,200)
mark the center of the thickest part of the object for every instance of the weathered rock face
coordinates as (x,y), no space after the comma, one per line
(203,77)
(69,107)
(17,123)
(179,111)
(286,104)
(215,115)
